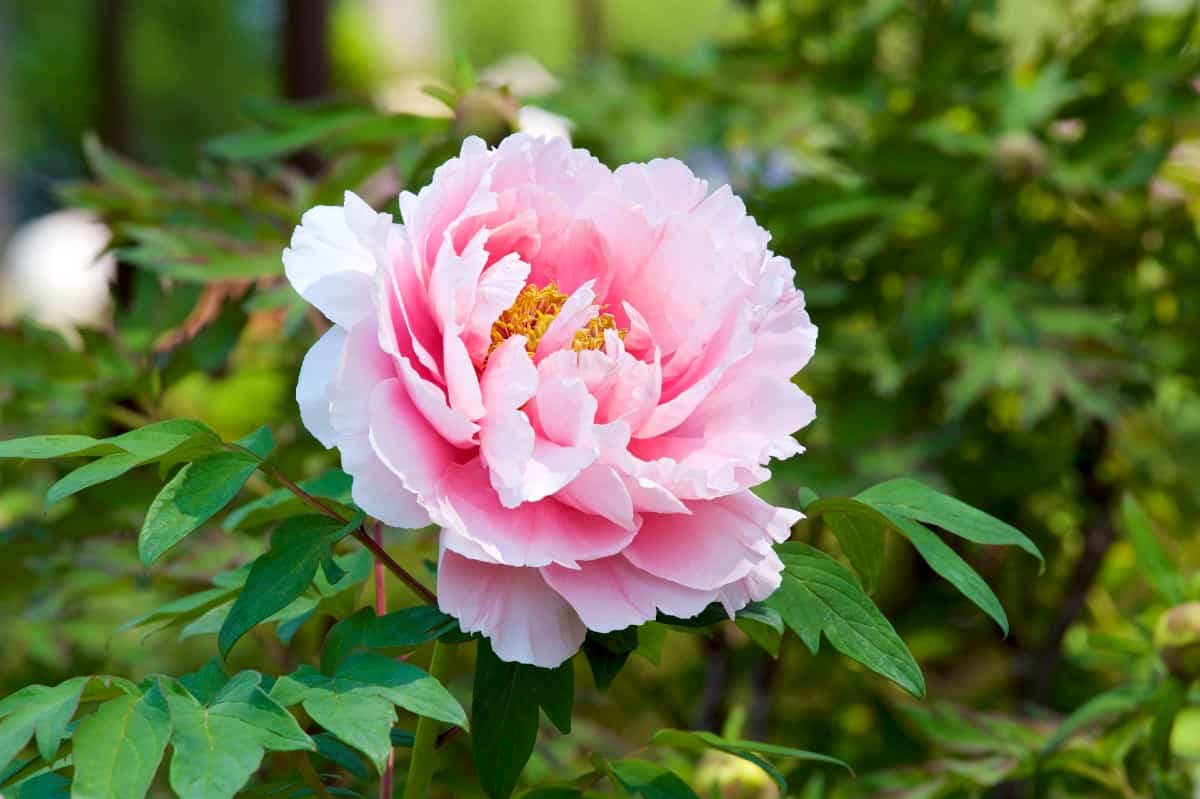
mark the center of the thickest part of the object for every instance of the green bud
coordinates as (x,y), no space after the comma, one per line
(1019,156)
(1177,639)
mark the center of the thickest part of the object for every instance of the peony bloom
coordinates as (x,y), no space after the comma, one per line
(576,373)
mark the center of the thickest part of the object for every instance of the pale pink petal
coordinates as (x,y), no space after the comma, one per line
(650,497)
(611,594)
(497,291)
(718,543)
(756,586)
(599,490)
(662,187)
(330,266)
(510,379)
(462,381)
(506,442)
(523,618)
(534,534)
(563,410)
(376,489)
(312,387)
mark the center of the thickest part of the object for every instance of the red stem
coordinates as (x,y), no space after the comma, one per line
(387,780)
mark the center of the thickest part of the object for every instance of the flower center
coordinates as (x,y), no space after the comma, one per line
(535,309)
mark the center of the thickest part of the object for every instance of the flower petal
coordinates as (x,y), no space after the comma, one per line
(312,387)
(720,542)
(525,620)
(533,534)
(330,265)
(612,594)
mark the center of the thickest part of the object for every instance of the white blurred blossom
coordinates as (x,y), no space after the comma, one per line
(54,271)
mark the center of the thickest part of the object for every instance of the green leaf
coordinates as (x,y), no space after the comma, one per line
(504,720)
(404,628)
(206,682)
(1108,706)
(913,500)
(44,786)
(819,595)
(947,563)
(746,750)
(1171,697)
(285,572)
(279,504)
(192,497)
(261,442)
(557,697)
(1156,564)
(185,608)
(38,710)
(117,749)
(607,654)
(171,438)
(861,537)
(356,703)
(218,747)
(763,625)
(652,636)
(42,447)
(649,780)
(334,750)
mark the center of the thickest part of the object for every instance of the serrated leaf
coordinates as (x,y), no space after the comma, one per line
(280,576)
(818,595)
(117,749)
(947,563)
(913,500)
(41,711)
(193,496)
(1157,565)
(649,780)
(409,627)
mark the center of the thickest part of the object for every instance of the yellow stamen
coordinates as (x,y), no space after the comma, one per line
(532,312)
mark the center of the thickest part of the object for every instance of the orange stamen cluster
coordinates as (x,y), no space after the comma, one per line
(535,309)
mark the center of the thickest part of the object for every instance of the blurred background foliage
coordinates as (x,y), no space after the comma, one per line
(992,206)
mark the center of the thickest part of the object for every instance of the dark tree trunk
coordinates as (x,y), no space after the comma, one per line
(304,62)
(305,50)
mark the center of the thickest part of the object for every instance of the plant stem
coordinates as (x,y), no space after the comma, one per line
(420,766)
(381,555)
(310,775)
(388,780)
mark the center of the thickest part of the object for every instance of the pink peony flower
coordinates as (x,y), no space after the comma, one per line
(577,373)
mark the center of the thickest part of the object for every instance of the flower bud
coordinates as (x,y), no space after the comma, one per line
(1177,639)
(1019,156)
